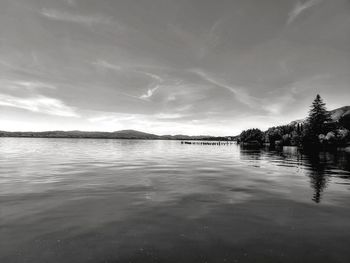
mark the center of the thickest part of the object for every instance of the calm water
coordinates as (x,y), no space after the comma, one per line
(72,200)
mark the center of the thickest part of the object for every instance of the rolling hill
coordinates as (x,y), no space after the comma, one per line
(123,134)
(336,115)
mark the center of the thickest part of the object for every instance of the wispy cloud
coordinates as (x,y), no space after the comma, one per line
(300,8)
(239,93)
(155,79)
(276,105)
(149,93)
(70,2)
(54,14)
(111,66)
(151,75)
(40,104)
(213,37)
(106,65)
(25,84)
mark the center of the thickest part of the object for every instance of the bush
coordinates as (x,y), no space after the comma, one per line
(252,135)
(344,121)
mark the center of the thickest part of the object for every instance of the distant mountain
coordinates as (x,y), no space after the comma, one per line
(123,134)
(335,114)
(132,134)
(339,113)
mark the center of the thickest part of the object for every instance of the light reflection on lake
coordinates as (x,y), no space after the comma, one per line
(88,200)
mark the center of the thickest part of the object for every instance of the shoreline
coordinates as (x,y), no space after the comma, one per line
(116,138)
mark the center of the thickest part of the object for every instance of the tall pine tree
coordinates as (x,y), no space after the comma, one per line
(317,120)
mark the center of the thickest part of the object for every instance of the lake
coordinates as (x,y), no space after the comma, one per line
(96,200)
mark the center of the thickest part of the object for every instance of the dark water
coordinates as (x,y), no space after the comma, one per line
(71,200)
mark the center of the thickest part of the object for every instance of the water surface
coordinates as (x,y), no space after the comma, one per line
(95,200)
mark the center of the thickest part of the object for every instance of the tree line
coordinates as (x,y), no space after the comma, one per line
(318,130)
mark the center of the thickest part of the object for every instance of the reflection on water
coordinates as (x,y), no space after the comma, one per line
(318,175)
(318,166)
(71,200)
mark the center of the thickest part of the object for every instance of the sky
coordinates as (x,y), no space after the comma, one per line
(197,67)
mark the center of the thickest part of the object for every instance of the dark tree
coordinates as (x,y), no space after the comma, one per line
(252,135)
(299,129)
(274,134)
(344,121)
(317,121)
(318,116)
(317,172)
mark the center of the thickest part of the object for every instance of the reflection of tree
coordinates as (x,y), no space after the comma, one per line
(250,152)
(342,160)
(320,165)
(318,176)
(317,163)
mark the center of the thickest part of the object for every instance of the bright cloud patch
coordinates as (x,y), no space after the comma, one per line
(149,93)
(68,17)
(300,8)
(39,104)
(25,84)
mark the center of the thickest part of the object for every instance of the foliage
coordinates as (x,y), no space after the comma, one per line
(252,135)
(319,129)
(344,121)
(284,135)
(318,117)
(337,137)
(273,134)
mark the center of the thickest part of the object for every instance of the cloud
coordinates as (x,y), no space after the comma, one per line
(149,93)
(127,118)
(112,118)
(151,75)
(300,8)
(165,116)
(70,2)
(156,79)
(106,65)
(277,105)
(39,104)
(68,17)
(25,84)
(239,93)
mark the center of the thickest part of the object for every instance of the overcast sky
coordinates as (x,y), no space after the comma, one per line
(170,66)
